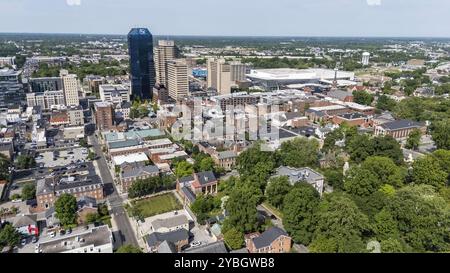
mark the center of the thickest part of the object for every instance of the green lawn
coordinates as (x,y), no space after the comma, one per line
(274,210)
(155,205)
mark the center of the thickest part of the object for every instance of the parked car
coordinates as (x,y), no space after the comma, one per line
(34,240)
(23,242)
(52,234)
(196,244)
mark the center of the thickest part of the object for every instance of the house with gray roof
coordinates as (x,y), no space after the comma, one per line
(273,240)
(170,224)
(216,247)
(179,238)
(306,174)
(200,183)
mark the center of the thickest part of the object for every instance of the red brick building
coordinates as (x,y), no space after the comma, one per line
(273,240)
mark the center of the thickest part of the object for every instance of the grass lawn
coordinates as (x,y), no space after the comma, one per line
(155,205)
(274,210)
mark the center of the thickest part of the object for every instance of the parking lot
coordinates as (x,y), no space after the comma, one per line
(52,159)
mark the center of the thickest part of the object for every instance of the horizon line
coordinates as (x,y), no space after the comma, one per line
(239,36)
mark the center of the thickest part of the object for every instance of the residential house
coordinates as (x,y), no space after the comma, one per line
(273,240)
(179,238)
(170,224)
(200,183)
(304,174)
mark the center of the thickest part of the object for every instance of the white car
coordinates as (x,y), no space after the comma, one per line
(196,244)
(23,242)
(52,234)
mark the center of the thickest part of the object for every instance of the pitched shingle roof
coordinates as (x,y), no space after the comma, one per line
(206,177)
(138,171)
(155,238)
(268,236)
(402,124)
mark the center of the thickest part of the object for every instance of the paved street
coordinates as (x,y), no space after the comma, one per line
(126,233)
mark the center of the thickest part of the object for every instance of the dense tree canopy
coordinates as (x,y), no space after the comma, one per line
(340,226)
(241,209)
(427,170)
(234,238)
(299,152)
(277,189)
(299,208)
(66,209)
(423,218)
(363,97)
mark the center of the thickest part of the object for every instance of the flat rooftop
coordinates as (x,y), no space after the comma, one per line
(78,239)
(298,74)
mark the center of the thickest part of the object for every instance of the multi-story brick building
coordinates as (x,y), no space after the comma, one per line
(104,115)
(399,129)
(200,183)
(273,240)
(129,175)
(49,189)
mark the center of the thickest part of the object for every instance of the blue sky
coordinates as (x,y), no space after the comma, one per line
(429,18)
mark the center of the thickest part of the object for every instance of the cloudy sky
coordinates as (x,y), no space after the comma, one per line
(429,18)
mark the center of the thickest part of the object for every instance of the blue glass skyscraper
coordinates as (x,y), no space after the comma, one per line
(142,65)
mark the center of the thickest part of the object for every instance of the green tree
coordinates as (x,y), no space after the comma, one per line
(277,189)
(422,217)
(83,143)
(427,170)
(300,152)
(340,226)
(385,170)
(206,164)
(144,187)
(386,103)
(29,192)
(391,245)
(241,209)
(362,97)
(385,226)
(440,133)
(128,249)
(413,140)
(66,209)
(334,178)
(25,162)
(183,168)
(299,208)
(361,182)
(203,206)
(9,236)
(234,238)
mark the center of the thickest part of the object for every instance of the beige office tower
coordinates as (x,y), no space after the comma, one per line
(238,70)
(70,87)
(164,52)
(219,76)
(177,78)
(212,73)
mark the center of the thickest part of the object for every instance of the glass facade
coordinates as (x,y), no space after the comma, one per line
(142,65)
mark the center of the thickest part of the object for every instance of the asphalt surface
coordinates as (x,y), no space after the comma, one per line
(126,234)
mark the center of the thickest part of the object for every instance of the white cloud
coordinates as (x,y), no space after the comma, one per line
(73,2)
(374,2)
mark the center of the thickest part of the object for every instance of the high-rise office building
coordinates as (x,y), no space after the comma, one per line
(142,66)
(219,76)
(39,85)
(70,87)
(177,77)
(164,52)
(11,88)
(238,71)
